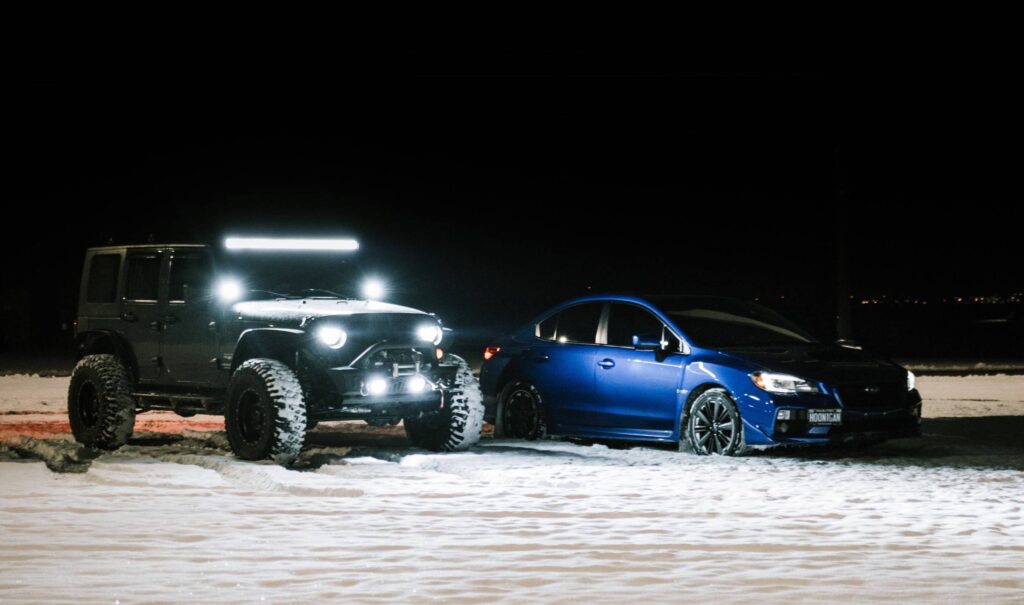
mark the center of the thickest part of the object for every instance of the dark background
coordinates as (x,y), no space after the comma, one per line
(488,191)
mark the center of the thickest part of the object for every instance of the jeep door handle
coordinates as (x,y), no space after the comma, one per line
(606,364)
(170,319)
(129,316)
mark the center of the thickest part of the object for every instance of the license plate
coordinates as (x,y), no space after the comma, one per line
(824,416)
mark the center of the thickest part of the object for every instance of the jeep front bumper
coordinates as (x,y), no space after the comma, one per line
(361,394)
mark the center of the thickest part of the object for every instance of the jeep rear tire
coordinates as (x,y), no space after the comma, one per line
(458,424)
(101,409)
(265,415)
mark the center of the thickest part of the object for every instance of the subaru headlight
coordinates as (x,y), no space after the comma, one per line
(332,336)
(783,384)
(429,333)
(911,381)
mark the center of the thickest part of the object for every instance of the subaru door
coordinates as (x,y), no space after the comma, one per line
(561,364)
(639,370)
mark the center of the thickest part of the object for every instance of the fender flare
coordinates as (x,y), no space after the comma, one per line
(107,341)
(281,344)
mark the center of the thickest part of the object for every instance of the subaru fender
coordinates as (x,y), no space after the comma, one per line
(706,370)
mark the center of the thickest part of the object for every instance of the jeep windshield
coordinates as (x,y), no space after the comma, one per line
(275,274)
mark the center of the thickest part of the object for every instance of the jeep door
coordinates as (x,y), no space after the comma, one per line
(188,325)
(140,310)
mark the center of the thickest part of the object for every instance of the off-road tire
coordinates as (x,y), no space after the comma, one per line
(458,424)
(265,415)
(724,434)
(101,409)
(522,399)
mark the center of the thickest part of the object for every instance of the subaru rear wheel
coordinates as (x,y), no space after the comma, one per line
(520,413)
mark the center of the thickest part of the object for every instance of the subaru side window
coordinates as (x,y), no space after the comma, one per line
(626,321)
(579,323)
(546,328)
(143,282)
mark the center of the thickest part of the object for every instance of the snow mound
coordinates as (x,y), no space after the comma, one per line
(59,455)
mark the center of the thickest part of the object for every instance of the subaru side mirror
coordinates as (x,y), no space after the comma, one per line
(649,343)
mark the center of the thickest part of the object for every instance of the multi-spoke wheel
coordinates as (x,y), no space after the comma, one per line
(520,413)
(713,425)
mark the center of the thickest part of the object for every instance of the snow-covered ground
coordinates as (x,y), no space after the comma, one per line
(173,517)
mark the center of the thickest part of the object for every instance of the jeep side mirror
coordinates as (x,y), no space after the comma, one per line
(648,342)
(195,295)
(192,294)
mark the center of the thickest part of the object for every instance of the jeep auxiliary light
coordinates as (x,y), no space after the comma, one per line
(289,243)
(229,290)
(373,289)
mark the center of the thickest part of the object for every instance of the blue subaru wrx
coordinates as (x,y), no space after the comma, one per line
(715,374)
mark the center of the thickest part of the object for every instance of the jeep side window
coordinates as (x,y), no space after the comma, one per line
(191,270)
(103,270)
(143,282)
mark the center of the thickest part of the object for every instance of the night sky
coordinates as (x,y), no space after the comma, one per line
(488,195)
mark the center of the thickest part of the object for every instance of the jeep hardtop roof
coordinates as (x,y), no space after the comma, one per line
(146,246)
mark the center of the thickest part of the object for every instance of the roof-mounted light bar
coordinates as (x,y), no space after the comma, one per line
(289,243)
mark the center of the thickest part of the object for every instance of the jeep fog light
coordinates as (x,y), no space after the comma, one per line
(416,384)
(376,386)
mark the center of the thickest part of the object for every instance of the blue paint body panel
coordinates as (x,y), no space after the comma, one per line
(617,392)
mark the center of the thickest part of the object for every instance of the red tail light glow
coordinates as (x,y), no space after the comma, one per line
(490,352)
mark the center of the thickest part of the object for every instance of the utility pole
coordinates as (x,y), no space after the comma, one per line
(844,197)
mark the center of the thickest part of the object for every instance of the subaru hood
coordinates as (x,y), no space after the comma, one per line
(832,364)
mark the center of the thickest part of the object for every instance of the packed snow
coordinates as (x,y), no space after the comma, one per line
(363,517)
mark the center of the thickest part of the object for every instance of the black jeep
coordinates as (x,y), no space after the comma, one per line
(196,329)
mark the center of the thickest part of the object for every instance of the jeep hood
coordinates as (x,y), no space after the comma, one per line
(294,310)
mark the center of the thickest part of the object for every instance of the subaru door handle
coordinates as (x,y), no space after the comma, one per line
(606,364)
(541,357)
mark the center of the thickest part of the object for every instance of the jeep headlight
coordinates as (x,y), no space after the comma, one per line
(782,383)
(332,336)
(911,381)
(429,333)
